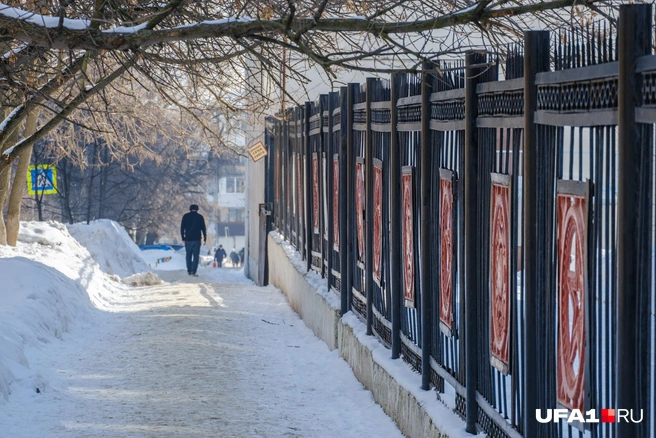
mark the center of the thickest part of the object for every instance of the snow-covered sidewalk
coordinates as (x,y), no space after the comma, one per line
(195,358)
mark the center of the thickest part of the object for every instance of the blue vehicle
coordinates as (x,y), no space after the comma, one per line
(163,247)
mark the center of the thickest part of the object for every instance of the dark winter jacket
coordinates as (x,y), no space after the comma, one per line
(193,224)
(220,254)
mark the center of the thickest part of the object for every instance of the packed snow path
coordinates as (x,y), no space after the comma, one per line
(196,359)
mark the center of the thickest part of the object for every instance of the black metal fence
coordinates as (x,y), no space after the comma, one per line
(498,235)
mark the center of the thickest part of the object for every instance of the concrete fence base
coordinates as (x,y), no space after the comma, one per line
(319,309)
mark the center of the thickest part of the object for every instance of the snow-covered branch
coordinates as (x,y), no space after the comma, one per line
(42,31)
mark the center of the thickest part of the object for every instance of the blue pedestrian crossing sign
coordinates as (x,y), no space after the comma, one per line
(42,179)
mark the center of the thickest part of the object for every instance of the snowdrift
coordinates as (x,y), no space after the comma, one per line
(110,246)
(51,284)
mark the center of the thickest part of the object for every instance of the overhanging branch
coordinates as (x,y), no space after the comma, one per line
(73,37)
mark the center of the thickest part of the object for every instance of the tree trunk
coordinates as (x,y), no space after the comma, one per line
(103,180)
(5,180)
(65,169)
(151,237)
(94,163)
(18,186)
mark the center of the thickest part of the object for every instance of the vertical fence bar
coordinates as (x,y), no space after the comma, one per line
(536,59)
(350,197)
(632,224)
(369,209)
(425,269)
(308,188)
(471,231)
(343,210)
(395,221)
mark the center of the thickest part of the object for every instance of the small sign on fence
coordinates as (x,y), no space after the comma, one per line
(257,151)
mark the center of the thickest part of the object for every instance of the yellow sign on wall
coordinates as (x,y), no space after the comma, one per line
(42,179)
(257,151)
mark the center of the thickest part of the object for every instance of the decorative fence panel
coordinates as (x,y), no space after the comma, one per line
(357,262)
(379,123)
(529,284)
(408,107)
(315,144)
(336,127)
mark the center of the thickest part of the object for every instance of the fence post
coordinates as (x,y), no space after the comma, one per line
(633,226)
(343,223)
(308,188)
(395,221)
(536,59)
(426,274)
(472,77)
(369,209)
(350,184)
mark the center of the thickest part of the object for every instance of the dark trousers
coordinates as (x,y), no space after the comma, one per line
(192,247)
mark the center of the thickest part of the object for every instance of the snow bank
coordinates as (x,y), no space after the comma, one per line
(53,283)
(37,305)
(50,285)
(110,246)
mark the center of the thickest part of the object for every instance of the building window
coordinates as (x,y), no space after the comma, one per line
(230,185)
(241,188)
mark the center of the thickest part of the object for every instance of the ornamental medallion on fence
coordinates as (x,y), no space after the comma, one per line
(571,216)
(359,205)
(299,187)
(446,251)
(288,192)
(315,193)
(293,178)
(408,237)
(336,202)
(378,222)
(324,196)
(500,295)
(277,172)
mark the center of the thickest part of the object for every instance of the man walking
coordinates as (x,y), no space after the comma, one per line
(191,228)
(219,255)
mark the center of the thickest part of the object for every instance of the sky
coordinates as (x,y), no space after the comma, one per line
(98,338)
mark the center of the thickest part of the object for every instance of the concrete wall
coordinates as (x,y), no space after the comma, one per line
(254,196)
(315,310)
(417,413)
